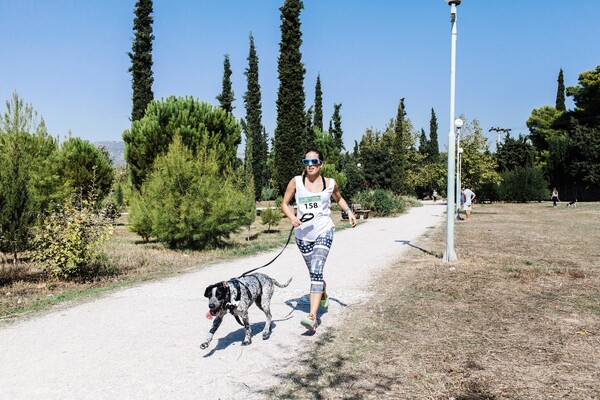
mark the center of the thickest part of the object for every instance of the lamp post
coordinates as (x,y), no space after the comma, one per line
(458,183)
(458,123)
(450,253)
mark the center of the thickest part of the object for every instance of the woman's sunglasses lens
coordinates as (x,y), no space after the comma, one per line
(311,161)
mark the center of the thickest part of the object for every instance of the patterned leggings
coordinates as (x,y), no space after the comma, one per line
(315,254)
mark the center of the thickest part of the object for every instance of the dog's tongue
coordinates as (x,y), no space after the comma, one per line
(208,315)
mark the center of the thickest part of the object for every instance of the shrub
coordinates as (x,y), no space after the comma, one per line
(523,184)
(270,217)
(69,240)
(380,202)
(193,201)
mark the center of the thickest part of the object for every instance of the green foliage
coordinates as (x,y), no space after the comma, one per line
(399,148)
(226,98)
(28,174)
(318,117)
(587,97)
(290,131)
(268,193)
(257,148)
(479,167)
(69,239)
(141,59)
(375,158)
(354,175)
(380,202)
(523,184)
(140,216)
(434,149)
(541,126)
(270,217)
(337,131)
(560,92)
(515,153)
(86,168)
(585,155)
(191,201)
(198,124)
(17,208)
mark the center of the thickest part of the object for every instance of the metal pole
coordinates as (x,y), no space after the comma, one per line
(450,253)
(458,173)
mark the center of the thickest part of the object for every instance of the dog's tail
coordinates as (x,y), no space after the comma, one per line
(280,285)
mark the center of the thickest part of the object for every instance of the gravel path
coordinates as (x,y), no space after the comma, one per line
(143,342)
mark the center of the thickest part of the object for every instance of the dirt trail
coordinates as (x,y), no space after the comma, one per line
(143,342)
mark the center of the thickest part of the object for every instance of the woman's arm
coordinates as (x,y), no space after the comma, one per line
(290,191)
(337,196)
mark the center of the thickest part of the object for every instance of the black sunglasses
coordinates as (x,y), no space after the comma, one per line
(311,161)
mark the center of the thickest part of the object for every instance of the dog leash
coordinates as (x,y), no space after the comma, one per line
(305,218)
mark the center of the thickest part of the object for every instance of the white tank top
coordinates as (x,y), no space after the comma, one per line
(316,204)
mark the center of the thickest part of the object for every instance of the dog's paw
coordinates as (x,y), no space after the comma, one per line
(246,342)
(204,345)
(266,335)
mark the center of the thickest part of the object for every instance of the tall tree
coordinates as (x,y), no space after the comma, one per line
(587,97)
(434,149)
(423,143)
(560,93)
(252,99)
(226,98)
(337,132)
(311,130)
(399,151)
(318,119)
(141,59)
(291,113)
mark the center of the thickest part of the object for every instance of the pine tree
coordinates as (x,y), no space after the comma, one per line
(318,118)
(560,93)
(337,132)
(399,151)
(290,97)
(226,98)
(141,59)
(434,149)
(252,100)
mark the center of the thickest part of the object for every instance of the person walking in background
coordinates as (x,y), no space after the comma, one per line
(313,193)
(467,199)
(554,197)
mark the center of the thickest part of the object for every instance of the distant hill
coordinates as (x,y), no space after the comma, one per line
(116,149)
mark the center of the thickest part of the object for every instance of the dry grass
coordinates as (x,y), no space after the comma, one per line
(25,289)
(517,317)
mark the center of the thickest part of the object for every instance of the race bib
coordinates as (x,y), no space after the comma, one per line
(310,204)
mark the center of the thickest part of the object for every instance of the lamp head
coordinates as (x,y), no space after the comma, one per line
(458,123)
(455,2)
(460,150)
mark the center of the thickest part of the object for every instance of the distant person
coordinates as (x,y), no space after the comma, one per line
(554,197)
(434,195)
(467,199)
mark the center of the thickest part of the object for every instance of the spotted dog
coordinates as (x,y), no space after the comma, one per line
(572,203)
(236,296)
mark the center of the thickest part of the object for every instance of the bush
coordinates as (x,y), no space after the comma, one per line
(523,184)
(69,240)
(270,217)
(380,202)
(192,201)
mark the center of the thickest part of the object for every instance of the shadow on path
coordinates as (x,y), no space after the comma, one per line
(407,242)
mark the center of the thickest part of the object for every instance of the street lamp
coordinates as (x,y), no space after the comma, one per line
(458,183)
(450,254)
(458,123)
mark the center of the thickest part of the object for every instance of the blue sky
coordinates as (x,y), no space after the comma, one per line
(68,58)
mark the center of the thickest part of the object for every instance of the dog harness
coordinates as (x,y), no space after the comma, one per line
(237,284)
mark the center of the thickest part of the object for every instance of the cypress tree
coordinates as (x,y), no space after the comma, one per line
(252,100)
(423,144)
(399,151)
(337,132)
(226,98)
(318,119)
(141,59)
(310,135)
(290,129)
(560,93)
(434,149)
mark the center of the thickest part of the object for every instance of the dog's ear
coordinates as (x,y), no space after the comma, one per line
(208,291)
